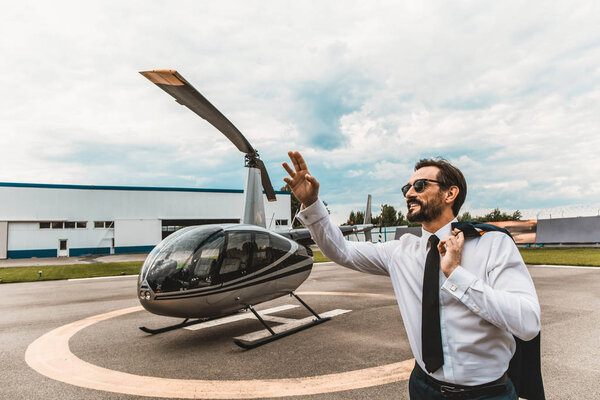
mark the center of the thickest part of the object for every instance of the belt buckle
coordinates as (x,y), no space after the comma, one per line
(451,392)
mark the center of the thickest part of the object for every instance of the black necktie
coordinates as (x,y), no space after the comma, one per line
(431,333)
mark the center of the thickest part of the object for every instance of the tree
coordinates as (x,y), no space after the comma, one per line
(401,221)
(355,218)
(351,219)
(466,216)
(376,220)
(517,216)
(388,215)
(496,215)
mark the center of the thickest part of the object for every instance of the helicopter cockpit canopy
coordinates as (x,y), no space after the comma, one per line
(184,260)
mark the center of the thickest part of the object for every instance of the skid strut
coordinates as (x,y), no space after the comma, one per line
(186,322)
(250,344)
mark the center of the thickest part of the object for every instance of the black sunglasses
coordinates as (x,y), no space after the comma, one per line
(419,185)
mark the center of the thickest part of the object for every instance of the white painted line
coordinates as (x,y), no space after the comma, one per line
(284,327)
(239,317)
(334,313)
(352,294)
(327,263)
(51,356)
(277,320)
(563,266)
(101,277)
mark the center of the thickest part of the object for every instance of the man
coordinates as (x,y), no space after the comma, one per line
(461,300)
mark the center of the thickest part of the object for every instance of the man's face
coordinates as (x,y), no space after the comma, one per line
(427,205)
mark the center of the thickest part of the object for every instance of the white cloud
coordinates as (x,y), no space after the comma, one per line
(508,91)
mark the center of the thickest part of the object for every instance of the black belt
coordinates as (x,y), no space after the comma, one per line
(454,391)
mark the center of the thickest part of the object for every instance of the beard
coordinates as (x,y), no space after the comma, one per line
(426,213)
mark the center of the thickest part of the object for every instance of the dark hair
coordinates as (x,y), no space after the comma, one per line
(449,175)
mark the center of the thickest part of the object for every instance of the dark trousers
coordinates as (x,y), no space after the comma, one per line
(420,390)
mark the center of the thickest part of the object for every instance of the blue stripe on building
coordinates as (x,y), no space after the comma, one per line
(86,251)
(133,249)
(40,253)
(78,251)
(130,188)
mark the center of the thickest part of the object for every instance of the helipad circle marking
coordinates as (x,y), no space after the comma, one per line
(51,356)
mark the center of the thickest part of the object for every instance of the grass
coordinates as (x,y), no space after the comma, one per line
(319,257)
(54,272)
(551,256)
(561,256)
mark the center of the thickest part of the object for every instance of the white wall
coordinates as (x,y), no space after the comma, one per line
(39,204)
(3,239)
(29,236)
(137,232)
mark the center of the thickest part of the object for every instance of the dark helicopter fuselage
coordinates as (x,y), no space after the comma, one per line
(212,270)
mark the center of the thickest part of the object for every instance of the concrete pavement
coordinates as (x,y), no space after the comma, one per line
(93,259)
(369,337)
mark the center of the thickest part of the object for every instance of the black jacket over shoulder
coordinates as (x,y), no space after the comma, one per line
(525,369)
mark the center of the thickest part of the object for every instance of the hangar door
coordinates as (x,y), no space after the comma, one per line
(172,225)
(3,239)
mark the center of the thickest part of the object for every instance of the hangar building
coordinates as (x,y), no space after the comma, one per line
(44,220)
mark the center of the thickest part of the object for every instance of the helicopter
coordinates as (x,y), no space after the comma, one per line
(206,272)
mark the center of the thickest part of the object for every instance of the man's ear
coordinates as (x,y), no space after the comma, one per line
(451,194)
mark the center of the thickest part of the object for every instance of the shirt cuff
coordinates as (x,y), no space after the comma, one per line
(458,282)
(313,213)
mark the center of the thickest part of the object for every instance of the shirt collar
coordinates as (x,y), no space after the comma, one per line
(441,233)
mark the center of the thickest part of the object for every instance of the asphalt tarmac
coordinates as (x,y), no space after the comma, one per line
(362,347)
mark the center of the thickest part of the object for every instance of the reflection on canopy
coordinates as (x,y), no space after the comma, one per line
(177,263)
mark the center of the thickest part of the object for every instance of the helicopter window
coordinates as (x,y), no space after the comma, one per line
(280,245)
(170,266)
(237,255)
(262,252)
(206,260)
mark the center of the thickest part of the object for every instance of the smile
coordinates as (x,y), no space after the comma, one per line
(412,205)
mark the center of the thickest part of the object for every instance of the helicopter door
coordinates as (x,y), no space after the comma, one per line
(206,262)
(262,255)
(238,254)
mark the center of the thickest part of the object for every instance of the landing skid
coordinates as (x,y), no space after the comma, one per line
(186,322)
(250,344)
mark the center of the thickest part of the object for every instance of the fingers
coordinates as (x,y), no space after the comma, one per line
(298,161)
(441,248)
(301,162)
(452,242)
(288,169)
(293,157)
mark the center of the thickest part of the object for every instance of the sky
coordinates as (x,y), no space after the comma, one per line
(508,91)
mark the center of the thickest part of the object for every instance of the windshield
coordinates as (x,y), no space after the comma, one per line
(169,263)
(157,250)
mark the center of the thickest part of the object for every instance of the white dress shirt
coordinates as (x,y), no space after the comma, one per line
(486,300)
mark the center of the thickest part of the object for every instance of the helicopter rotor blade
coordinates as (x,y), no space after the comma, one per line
(180,89)
(266,181)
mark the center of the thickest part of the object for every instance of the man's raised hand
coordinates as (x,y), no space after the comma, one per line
(304,186)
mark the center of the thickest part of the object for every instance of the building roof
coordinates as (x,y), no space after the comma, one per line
(128,188)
